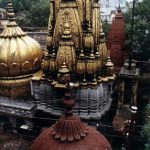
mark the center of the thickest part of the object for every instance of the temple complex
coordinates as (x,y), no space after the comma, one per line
(33,80)
(74,70)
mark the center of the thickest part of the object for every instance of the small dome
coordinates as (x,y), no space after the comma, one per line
(70,133)
(19,54)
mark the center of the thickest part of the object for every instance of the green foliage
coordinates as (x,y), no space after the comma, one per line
(30,12)
(105,27)
(141,34)
(146,130)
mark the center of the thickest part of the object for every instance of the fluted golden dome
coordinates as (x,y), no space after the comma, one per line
(20,57)
(19,54)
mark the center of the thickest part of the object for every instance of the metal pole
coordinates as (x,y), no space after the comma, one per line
(132,32)
(131,134)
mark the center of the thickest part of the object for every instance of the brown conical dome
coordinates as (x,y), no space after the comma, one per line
(69,133)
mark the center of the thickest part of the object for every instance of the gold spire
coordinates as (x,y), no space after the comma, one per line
(10,11)
(109,62)
(79,43)
(103,49)
(12,29)
(66,49)
(109,67)
(52,66)
(81,63)
(98,61)
(89,40)
(91,63)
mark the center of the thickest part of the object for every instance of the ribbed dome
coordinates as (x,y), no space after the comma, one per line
(69,133)
(93,141)
(19,54)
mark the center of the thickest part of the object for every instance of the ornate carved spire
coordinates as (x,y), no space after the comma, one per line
(66,50)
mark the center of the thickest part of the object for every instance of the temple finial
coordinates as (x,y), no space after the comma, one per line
(10,11)
(68,104)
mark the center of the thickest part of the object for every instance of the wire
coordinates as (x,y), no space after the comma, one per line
(102,125)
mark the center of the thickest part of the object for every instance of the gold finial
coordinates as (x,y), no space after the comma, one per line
(102,37)
(89,29)
(92,56)
(84,82)
(53,55)
(109,67)
(82,54)
(68,104)
(89,40)
(97,55)
(94,82)
(109,62)
(81,67)
(64,69)
(63,75)
(99,80)
(98,60)
(10,11)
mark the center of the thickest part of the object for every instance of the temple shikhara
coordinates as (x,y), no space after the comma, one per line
(116,41)
(77,59)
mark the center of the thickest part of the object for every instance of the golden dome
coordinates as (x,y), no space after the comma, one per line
(19,54)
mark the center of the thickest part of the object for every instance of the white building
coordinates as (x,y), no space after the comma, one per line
(108,8)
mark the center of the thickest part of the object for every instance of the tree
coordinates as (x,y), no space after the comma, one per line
(30,12)
(105,27)
(146,130)
(141,34)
